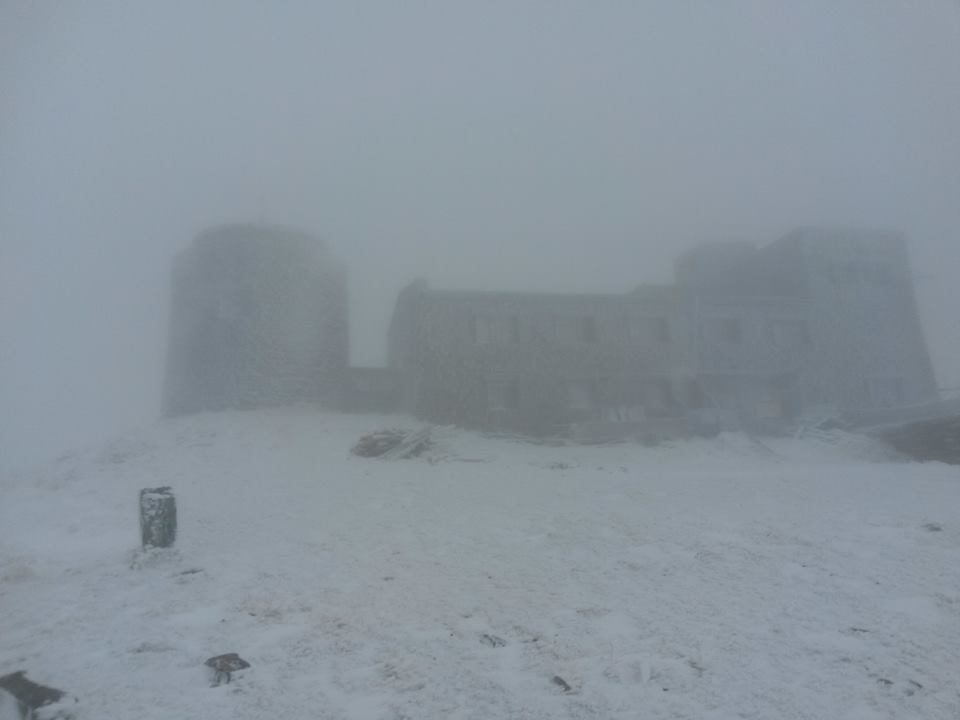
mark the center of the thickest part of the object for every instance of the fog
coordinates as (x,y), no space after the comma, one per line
(536,145)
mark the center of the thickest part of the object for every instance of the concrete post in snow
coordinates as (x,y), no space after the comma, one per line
(158,517)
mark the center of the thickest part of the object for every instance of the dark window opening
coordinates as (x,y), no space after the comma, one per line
(885,274)
(788,333)
(886,392)
(659,395)
(661,329)
(898,394)
(514,332)
(588,330)
(511,395)
(582,395)
(731,330)
(696,399)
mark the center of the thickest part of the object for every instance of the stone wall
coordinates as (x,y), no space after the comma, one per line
(533,362)
(823,319)
(258,318)
(869,348)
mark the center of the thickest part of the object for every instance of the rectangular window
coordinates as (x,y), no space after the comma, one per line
(563,329)
(571,329)
(696,399)
(484,331)
(582,395)
(661,329)
(588,329)
(886,392)
(511,395)
(503,394)
(487,329)
(514,329)
(658,395)
(880,273)
(886,274)
(788,333)
(642,329)
(850,272)
(731,330)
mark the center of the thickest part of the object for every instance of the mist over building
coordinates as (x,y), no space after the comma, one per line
(258,317)
(821,322)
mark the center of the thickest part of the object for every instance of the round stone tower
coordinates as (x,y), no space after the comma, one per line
(258,318)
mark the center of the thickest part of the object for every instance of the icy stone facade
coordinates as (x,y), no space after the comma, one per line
(822,319)
(864,322)
(834,321)
(258,318)
(535,362)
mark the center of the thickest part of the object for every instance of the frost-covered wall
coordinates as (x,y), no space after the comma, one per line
(534,362)
(258,317)
(827,314)
(747,338)
(864,323)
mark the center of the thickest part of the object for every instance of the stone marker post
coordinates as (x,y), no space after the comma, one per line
(158,517)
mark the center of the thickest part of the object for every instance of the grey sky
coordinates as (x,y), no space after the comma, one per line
(544,145)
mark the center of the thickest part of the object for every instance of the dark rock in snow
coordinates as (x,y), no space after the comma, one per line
(29,694)
(937,439)
(492,640)
(225,664)
(376,444)
(393,444)
(561,683)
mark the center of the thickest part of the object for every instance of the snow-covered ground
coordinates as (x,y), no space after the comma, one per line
(709,579)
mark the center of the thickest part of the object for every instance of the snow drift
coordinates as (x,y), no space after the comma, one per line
(708,579)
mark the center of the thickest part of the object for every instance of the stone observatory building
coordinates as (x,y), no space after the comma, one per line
(258,317)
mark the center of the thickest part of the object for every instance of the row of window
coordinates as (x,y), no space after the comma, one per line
(499,329)
(883,392)
(776,333)
(866,272)
(585,395)
(493,329)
